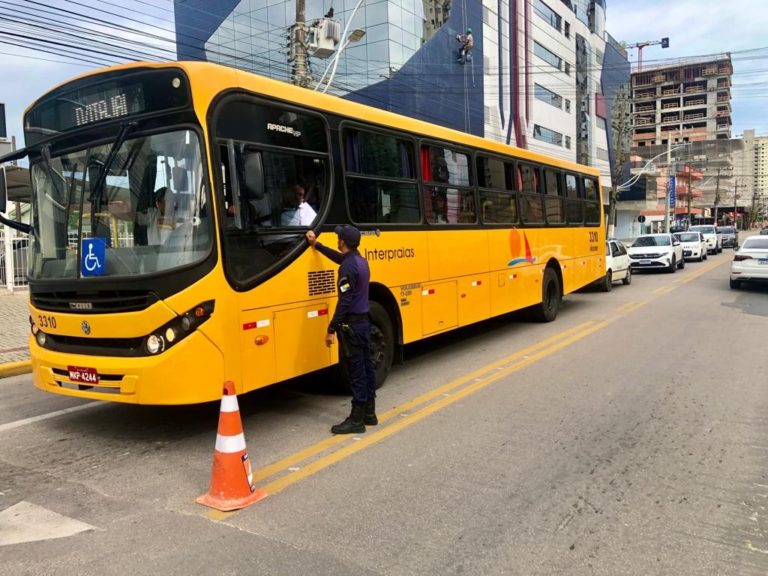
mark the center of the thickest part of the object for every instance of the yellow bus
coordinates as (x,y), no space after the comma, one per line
(167,254)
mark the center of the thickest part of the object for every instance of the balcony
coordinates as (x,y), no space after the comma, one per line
(665,118)
(644,94)
(670,91)
(644,121)
(695,102)
(645,109)
(723,127)
(695,116)
(695,88)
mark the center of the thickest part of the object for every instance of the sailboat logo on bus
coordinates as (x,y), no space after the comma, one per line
(519,248)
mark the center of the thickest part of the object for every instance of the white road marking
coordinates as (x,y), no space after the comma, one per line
(26,522)
(23,422)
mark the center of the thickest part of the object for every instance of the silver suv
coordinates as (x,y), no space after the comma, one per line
(712,236)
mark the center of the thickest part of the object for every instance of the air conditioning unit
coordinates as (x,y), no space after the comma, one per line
(323,38)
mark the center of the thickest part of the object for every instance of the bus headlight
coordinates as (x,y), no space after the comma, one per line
(155,344)
(41,338)
(179,328)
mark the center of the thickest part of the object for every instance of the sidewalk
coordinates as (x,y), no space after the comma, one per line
(14,348)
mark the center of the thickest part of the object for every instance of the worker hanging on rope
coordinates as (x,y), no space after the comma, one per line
(467,43)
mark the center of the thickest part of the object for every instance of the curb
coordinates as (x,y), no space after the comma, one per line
(15,368)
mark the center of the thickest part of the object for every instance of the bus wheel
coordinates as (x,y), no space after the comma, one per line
(382,342)
(551,295)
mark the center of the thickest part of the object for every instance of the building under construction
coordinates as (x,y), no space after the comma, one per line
(687,101)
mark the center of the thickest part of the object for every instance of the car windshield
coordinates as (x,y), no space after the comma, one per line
(727,230)
(755,243)
(651,241)
(148,215)
(689,237)
(704,229)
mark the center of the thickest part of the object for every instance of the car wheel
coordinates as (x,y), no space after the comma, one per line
(681,264)
(607,282)
(627,280)
(735,284)
(719,249)
(672,266)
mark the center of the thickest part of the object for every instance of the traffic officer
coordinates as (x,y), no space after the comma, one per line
(350,322)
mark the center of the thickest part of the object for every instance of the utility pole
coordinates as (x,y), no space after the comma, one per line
(622,129)
(735,197)
(717,196)
(669,185)
(298,48)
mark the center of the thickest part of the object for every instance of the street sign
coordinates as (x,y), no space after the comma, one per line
(641,218)
(671,191)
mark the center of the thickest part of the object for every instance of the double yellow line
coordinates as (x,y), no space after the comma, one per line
(287,471)
(333,449)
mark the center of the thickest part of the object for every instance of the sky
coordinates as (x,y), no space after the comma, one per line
(694,27)
(700,27)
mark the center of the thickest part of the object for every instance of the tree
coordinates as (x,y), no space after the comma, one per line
(622,125)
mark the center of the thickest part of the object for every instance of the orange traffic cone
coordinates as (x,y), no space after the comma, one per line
(232,485)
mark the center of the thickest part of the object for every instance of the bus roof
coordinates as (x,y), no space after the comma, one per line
(219,78)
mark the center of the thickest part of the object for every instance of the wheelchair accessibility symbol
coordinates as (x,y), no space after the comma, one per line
(93,256)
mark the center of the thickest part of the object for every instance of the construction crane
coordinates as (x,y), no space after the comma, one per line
(640,45)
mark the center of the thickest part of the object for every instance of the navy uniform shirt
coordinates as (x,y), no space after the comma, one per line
(354,277)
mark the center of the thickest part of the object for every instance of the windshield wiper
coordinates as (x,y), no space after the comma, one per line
(96,197)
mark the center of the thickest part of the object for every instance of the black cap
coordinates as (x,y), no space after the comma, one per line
(349,234)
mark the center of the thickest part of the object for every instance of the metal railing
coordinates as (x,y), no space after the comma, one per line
(13,260)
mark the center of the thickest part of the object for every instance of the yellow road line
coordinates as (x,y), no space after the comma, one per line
(412,418)
(626,306)
(701,272)
(332,441)
(633,306)
(482,377)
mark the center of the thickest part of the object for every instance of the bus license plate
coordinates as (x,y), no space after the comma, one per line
(84,375)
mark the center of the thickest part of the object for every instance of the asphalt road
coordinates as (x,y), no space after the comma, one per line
(628,437)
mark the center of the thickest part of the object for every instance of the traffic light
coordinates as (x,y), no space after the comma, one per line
(665,42)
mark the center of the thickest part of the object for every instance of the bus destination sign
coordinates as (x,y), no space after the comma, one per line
(108,104)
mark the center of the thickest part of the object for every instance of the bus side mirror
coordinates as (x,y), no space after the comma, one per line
(3,190)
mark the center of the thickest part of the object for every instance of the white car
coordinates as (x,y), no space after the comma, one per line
(712,237)
(656,251)
(694,246)
(616,266)
(750,261)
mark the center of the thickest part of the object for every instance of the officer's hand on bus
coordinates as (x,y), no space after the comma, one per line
(329,339)
(311,238)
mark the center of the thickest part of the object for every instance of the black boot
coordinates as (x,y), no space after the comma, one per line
(370,413)
(354,423)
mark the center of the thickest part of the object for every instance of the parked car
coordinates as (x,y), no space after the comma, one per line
(656,251)
(616,266)
(750,261)
(712,237)
(730,236)
(764,230)
(694,246)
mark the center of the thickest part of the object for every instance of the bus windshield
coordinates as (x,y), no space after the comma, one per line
(142,200)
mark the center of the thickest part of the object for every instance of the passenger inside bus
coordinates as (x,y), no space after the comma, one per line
(160,225)
(439,207)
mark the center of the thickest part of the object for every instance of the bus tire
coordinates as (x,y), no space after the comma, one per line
(551,296)
(382,349)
